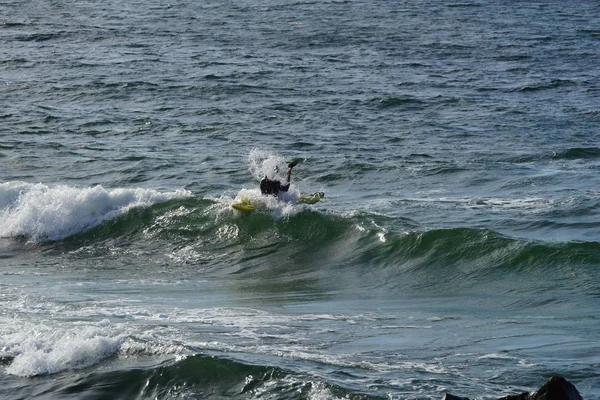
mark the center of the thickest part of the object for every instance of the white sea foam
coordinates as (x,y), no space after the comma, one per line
(40,212)
(45,347)
(263,163)
(40,349)
(319,391)
(283,205)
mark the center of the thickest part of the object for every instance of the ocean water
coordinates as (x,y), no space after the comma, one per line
(457,248)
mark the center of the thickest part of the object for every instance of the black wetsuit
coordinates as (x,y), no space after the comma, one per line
(269,187)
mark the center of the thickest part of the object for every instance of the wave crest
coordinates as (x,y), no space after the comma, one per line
(47,213)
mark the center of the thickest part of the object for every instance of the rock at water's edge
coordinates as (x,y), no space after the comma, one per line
(555,388)
(558,388)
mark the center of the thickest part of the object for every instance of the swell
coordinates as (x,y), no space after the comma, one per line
(552,84)
(575,153)
(460,245)
(196,376)
(294,245)
(389,253)
(569,154)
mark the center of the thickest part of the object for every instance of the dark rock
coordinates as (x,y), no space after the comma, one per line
(557,389)
(554,389)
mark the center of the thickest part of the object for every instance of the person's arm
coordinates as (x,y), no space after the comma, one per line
(290,166)
(285,188)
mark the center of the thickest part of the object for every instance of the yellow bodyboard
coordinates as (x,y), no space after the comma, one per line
(246,206)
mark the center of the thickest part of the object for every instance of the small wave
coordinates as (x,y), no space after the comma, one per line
(41,37)
(421,155)
(444,170)
(573,153)
(198,375)
(391,102)
(595,33)
(450,259)
(553,84)
(579,153)
(464,5)
(48,213)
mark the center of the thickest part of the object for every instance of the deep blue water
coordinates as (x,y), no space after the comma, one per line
(457,248)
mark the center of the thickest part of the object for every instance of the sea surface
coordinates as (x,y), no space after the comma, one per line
(457,248)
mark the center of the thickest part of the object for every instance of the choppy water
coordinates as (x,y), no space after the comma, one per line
(457,248)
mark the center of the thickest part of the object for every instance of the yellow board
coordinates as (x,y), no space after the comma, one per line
(246,206)
(311,198)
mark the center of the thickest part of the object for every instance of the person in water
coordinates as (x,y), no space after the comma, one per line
(272,187)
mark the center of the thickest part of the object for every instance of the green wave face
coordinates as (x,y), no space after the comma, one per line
(320,251)
(195,376)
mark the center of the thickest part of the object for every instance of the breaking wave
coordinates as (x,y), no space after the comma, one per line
(46,213)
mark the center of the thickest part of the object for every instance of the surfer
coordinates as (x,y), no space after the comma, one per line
(273,186)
